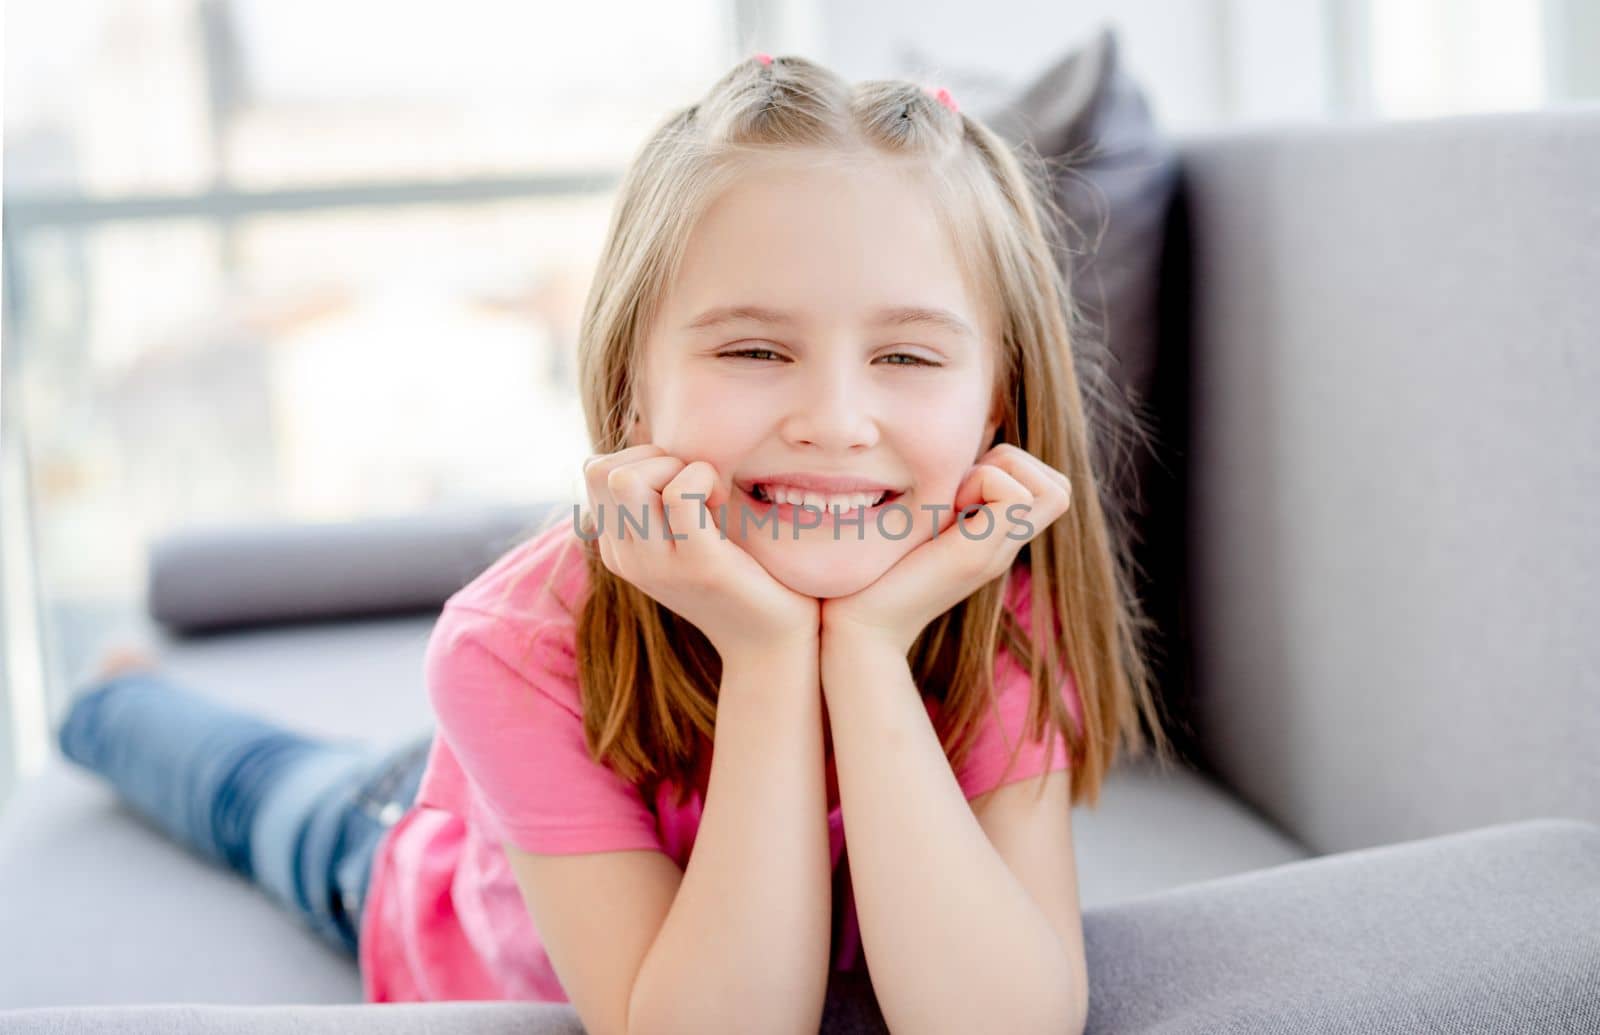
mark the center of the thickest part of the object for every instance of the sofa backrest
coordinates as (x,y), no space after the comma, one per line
(1393,476)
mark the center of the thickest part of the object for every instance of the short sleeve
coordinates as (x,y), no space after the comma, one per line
(984,768)
(1000,728)
(508,708)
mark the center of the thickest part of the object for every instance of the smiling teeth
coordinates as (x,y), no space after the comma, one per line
(799,498)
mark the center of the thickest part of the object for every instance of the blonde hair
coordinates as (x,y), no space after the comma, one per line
(649,679)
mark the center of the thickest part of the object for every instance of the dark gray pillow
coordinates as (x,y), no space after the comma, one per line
(1114,175)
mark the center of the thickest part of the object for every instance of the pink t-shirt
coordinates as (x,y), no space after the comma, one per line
(444,919)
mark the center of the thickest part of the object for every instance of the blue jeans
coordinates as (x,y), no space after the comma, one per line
(299,816)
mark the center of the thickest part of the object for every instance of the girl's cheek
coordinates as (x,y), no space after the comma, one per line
(938,453)
(706,419)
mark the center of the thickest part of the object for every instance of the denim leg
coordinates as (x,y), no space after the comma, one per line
(316,832)
(195,767)
(298,815)
(297,825)
(351,872)
(378,806)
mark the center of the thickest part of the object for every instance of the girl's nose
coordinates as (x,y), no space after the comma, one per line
(833,411)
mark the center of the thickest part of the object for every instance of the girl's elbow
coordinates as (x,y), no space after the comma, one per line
(1066,1012)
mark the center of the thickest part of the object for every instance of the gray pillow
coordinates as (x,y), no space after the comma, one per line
(1114,176)
(206,579)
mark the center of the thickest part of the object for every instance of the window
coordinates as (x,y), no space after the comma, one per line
(285,262)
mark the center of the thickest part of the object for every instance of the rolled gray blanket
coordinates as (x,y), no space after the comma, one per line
(209,578)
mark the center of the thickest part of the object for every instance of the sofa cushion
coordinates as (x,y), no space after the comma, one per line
(118,914)
(1496,929)
(100,907)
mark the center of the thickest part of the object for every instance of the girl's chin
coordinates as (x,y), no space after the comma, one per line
(823,580)
(824,589)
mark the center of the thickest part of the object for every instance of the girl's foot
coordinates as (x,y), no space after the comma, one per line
(76,733)
(121,658)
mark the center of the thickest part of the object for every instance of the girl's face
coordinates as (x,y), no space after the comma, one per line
(826,380)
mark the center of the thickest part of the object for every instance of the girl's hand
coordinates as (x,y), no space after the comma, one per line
(948,568)
(697,573)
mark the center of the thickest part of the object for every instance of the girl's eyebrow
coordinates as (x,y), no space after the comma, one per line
(888,316)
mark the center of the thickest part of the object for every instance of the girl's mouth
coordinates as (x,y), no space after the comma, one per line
(847,505)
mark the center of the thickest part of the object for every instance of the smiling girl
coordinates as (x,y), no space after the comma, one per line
(826,366)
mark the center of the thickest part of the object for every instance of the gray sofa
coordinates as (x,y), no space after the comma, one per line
(1375,552)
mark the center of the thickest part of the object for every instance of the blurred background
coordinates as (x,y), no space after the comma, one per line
(314,262)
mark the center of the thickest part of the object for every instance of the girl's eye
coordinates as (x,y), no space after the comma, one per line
(914,360)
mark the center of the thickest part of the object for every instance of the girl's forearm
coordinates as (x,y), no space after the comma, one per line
(954,941)
(745,944)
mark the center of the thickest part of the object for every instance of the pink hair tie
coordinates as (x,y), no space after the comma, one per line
(765,59)
(942,96)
